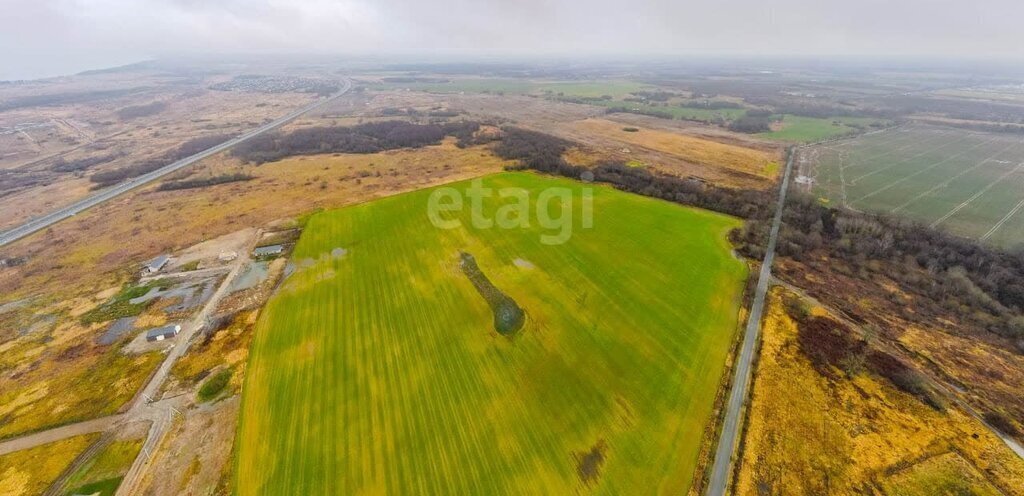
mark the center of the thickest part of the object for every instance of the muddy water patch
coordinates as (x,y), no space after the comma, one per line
(193,296)
(252,275)
(114,331)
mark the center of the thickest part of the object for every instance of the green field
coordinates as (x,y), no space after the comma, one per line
(679,111)
(969,183)
(376,368)
(811,129)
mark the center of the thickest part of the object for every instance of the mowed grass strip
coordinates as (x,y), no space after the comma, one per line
(377,369)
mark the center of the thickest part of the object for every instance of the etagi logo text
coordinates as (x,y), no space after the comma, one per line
(553,209)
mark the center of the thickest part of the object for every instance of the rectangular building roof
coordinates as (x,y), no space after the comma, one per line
(158,262)
(268,250)
(167,330)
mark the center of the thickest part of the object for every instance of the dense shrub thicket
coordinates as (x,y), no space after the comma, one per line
(508,315)
(542,152)
(63,165)
(830,345)
(136,111)
(213,386)
(188,148)
(532,149)
(204,182)
(371,137)
(983,286)
(751,124)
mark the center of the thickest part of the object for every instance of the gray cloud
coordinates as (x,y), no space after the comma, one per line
(42,37)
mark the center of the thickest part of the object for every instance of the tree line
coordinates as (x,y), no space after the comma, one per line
(543,153)
(204,182)
(191,147)
(753,121)
(370,137)
(980,285)
(64,165)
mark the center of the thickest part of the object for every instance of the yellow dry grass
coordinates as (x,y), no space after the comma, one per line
(582,156)
(31,471)
(97,248)
(228,347)
(69,387)
(689,148)
(807,434)
(991,377)
(948,473)
(75,259)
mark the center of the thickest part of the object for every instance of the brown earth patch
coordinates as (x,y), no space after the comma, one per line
(588,463)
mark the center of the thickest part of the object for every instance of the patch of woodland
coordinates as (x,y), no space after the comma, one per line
(371,137)
(186,149)
(834,347)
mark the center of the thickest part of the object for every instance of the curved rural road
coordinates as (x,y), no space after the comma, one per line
(54,217)
(731,427)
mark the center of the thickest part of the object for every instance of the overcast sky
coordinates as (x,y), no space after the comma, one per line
(51,37)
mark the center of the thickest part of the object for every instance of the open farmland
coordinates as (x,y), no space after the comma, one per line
(809,129)
(969,183)
(376,368)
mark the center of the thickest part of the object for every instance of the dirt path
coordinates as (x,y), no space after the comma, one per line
(191,274)
(143,408)
(57,433)
(163,412)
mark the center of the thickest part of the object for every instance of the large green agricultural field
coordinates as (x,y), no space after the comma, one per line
(376,368)
(810,129)
(969,183)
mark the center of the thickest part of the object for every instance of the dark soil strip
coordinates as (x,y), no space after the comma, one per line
(508,317)
(588,465)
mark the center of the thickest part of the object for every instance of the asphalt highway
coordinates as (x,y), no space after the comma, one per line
(79,206)
(738,395)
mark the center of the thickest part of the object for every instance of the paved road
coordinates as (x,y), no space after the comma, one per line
(51,218)
(730,429)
